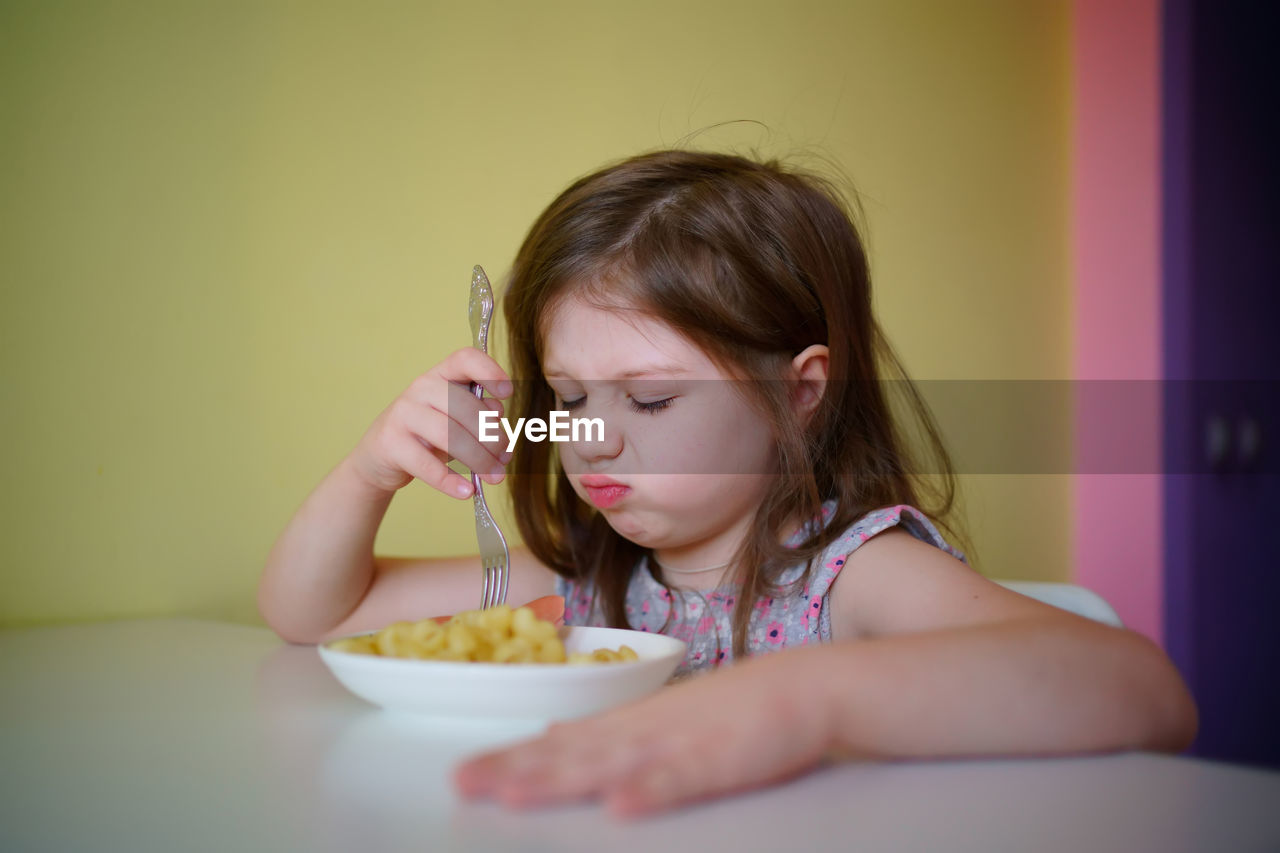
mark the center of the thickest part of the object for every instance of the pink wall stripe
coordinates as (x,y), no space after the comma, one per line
(1115,223)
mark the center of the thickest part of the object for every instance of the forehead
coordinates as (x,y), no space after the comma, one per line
(586,342)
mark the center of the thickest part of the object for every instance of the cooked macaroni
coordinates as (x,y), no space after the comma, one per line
(495,635)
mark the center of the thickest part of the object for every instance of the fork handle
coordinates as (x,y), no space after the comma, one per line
(478,488)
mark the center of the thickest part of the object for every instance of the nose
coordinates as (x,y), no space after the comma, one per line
(586,446)
(598,452)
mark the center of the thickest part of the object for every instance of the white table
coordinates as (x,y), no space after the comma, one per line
(189,735)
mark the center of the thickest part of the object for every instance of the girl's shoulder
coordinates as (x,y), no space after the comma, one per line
(833,558)
(905,516)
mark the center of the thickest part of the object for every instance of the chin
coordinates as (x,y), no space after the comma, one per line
(629,527)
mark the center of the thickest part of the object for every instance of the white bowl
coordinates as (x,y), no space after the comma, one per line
(513,691)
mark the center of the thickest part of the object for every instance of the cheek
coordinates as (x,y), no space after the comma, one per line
(699,438)
(716,441)
(569,460)
(689,451)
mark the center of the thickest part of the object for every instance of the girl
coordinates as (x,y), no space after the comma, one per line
(751,494)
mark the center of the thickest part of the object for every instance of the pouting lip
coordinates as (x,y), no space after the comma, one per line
(598,481)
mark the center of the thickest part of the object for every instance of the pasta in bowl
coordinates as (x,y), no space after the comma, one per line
(501,664)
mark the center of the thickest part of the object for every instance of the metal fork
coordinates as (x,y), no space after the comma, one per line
(494,556)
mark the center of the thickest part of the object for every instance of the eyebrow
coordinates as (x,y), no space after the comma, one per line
(650,370)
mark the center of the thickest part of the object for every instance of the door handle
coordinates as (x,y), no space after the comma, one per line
(1217,443)
(1248,442)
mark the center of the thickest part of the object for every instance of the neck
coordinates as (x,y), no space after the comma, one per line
(674,571)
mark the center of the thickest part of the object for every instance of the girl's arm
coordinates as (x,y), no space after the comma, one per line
(322,579)
(946,664)
(1022,676)
(322,564)
(1034,687)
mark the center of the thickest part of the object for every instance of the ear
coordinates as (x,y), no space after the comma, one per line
(809,371)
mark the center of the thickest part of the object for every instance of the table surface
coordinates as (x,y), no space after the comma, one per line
(175,734)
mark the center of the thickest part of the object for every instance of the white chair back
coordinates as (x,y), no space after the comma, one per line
(1077,599)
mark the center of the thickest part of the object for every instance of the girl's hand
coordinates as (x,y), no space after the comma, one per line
(437,419)
(752,724)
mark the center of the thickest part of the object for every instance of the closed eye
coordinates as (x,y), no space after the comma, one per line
(651,408)
(636,406)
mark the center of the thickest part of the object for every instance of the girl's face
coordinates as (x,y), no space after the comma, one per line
(690,458)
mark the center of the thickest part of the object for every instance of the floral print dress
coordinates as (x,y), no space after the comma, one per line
(703,619)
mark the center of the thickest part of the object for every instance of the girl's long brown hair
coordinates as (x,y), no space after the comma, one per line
(753,262)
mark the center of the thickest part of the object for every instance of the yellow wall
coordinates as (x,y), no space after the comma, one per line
(231,233)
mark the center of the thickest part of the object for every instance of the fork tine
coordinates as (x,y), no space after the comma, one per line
(493,574)
(495,581)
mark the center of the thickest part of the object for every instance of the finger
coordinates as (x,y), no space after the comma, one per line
(432,392)
(647,793)
(481,775)
(665,786)
(423,464)
(437,430)
(431,397)
(575,760)
(574,775)
(696,775)
(466,412)
(469,365)
(564,743)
